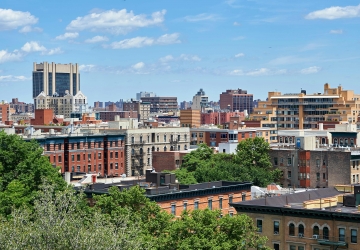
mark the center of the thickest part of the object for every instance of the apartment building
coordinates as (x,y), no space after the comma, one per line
(190,118)
(142,109)
(200,100)
(236,100)
(302,110)
(161,104)
(322,219)
(5,112)
(140,143)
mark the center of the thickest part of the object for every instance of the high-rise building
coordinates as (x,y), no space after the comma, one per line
(144,94)
(200,100)
(55,79)
(236,100)
(161,104)
(306,111)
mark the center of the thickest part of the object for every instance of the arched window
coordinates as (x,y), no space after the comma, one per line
(323,141)
(157,149)
(316,230)
(292,229)
(335,141)
(148,150)
(132,151)
(286,140)
(171,148)
(153,148)
(346,142)
(141,151)
(301,230)
(165,148)
(325,233)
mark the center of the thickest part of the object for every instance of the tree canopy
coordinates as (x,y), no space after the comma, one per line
(251,162)
(22,171)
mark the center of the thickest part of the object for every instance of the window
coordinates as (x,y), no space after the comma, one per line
(185,137)
(141,139)
(164,138)
(59,146)
(111,155)
(324,176)
(353,235)
(230,199)
(210,204)
(212,135)
(157,138)
(325,233)
(78,169)
(132,139)
(276,246)
(341,234)
(318,176)
(292,247)
(72,145)
(99,167)
(243,196)
(223,135)
(99,156)
(196,205)
(173,209)
(301,230)
(259,225)
(72,157)
(276,227)
(78,145)
(300,248)
(292,229)
(185,205)
(220,202)
(289,174)
(275,161)
(116,154)
(289,161)
(78,157)
(89,168)
(116,166)
(316,230)
(59,158)
(89,144)
(72,169)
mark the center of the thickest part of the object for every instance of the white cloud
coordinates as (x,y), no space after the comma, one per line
(6,56)
(335,12)
(138,42)
(236,24)
(28,28)
(97,39)
(312,46)
(336,31)
(310,70)
(239,55)
(11,19)
(201,17)
(67,35)
(52,52)
(182,57)
(288,60)
(258,72)
(32,47)
(11,78)
(138,66)
(116,22)
(238,38)
(86,68)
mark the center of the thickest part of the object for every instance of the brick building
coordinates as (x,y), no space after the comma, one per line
(161,104)
(219,118)
(212,137)
(236,100)
(320,219)
(171,160)
(110,115)
(5,112)
(142,108)
(190,118)
(43,117)
(101,154)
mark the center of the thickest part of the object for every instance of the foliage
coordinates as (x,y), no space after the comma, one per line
(206,229)
(58,222)
(251,162)
(22,170)
(184,176)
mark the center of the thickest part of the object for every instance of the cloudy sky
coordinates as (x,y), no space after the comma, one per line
(175,47)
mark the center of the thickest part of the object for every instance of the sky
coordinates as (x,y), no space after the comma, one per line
(174,48)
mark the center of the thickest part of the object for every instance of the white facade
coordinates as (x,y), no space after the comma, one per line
(227,148)
(62,105)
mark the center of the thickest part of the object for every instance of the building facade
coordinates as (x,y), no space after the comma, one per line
(140,143)
(190,118)
(161,104)
(5,112)
(142,108)
(55,79)
(304,111)
(236,100)
(200,100)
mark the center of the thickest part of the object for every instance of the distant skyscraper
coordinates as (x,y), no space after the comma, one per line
(144,94)
(200,100)
(52,78)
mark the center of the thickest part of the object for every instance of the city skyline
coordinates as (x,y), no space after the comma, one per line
(123,47)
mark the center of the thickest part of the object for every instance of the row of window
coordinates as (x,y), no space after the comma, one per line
(82,145)
(315,231)
(96,168)
(78,156)
(172,138)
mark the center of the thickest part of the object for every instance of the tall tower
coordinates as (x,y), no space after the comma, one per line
(54,78)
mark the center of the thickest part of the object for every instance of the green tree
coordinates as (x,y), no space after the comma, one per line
(58,222)
(22,170)
(184,176)
(197,158)
(206,229)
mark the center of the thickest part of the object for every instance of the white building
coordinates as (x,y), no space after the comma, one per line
(64,105)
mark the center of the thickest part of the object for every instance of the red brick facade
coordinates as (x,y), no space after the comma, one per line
(43,117)
(167,160)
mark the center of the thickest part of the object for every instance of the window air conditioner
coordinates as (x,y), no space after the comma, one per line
(276,232)
(301,235)
(315,236)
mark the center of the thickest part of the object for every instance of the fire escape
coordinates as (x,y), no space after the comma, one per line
(137,158)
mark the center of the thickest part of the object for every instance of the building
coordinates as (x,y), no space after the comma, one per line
(5,112)
(21,107)
(43,117)
(103,154)
(111,115)
(321,219)
(142,108)
(55,79)
(168,160)
(185,105)
(161,104)
(140,143)
(220,118)
(200,100)
(305,111)
(98,104)
(144,94)
(236,100)
(190,118)
(62,105)
(212,136)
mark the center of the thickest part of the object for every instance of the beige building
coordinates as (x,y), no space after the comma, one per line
(140,143)
(302,110)
(64,105)
(200,101)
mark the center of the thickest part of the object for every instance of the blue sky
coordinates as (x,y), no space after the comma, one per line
(175,47)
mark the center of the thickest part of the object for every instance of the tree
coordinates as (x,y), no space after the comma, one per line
(59,222)
(202,155)
(206,229)
(22,170)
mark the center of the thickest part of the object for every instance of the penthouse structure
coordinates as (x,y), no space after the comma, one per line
(302,110)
